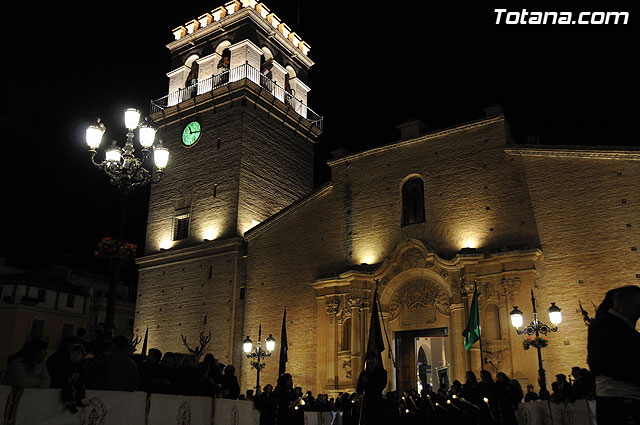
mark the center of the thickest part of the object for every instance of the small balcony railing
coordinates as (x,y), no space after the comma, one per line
(235,74)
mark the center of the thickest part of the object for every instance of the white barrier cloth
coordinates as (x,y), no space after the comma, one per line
(45,407)
(322,418)
(180,410)
(234,412)
(580,412)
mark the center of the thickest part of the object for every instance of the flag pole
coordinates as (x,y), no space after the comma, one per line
(475,288)
(467,309)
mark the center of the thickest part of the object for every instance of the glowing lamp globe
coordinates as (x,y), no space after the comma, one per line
(555,316)
(147,135)
(93,136)
(131,118)
(113,154)
(247,345)
(516,317)
(160,156)
(271,343)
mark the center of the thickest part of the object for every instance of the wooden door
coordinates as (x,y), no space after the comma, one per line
(406,373)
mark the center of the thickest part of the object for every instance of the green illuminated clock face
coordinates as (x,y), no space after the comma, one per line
(191,133)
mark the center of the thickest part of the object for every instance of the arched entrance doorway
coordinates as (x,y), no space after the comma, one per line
(418,305)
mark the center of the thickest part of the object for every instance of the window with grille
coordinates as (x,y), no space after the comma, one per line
(181,224)
(413,202)
(42,295)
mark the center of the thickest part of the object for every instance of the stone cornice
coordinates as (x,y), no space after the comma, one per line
(243,13)
(194,252)
(457,263)
(429,136)
(262,227)
(585,152)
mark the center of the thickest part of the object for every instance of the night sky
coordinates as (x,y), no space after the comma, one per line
(66,64)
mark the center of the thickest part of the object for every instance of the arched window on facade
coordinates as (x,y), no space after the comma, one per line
(413,201)
(346,335)
(192,78)
(491,323)
(225,60)
(190,82)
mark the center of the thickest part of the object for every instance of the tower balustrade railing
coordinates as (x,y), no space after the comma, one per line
(237,74)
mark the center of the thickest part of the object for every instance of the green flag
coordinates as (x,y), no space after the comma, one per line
(472,332)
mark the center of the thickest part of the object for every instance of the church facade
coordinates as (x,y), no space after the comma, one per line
(236,232)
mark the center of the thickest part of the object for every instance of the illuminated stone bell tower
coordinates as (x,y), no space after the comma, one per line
(241,137)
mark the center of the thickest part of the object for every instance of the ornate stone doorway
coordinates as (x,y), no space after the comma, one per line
(419,292)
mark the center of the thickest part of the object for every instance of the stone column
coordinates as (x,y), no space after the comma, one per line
(457,353)
(356,347)
(206,70)
(278,73)
(332,343)
(245,52)
(176,82)
(512,288)
(300,93)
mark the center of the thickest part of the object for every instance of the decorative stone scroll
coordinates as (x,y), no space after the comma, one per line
(511,285)
(346,367)
(490,292)
(419,294)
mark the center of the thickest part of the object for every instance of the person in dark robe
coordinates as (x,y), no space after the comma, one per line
(503,391)
(286,398)
(371,382)
(613,348)
(531,395)
(230,386)
(58,363)
(73,390)
(266,403)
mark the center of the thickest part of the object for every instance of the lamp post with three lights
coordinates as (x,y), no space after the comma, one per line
(126,171)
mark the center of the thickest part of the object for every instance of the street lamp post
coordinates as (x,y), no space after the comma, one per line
(258,353)
(126,171)
(536,328)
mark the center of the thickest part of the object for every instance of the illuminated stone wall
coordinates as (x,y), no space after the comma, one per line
(186,296)
(475,196)
(588,216)
(580,212)
(245,168)
(285,255)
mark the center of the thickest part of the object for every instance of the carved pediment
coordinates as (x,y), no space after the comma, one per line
(413,258)
(418,293)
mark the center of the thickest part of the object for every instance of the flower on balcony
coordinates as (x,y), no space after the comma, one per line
(537,342)
(258,365)
(224,63)
(112,248)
